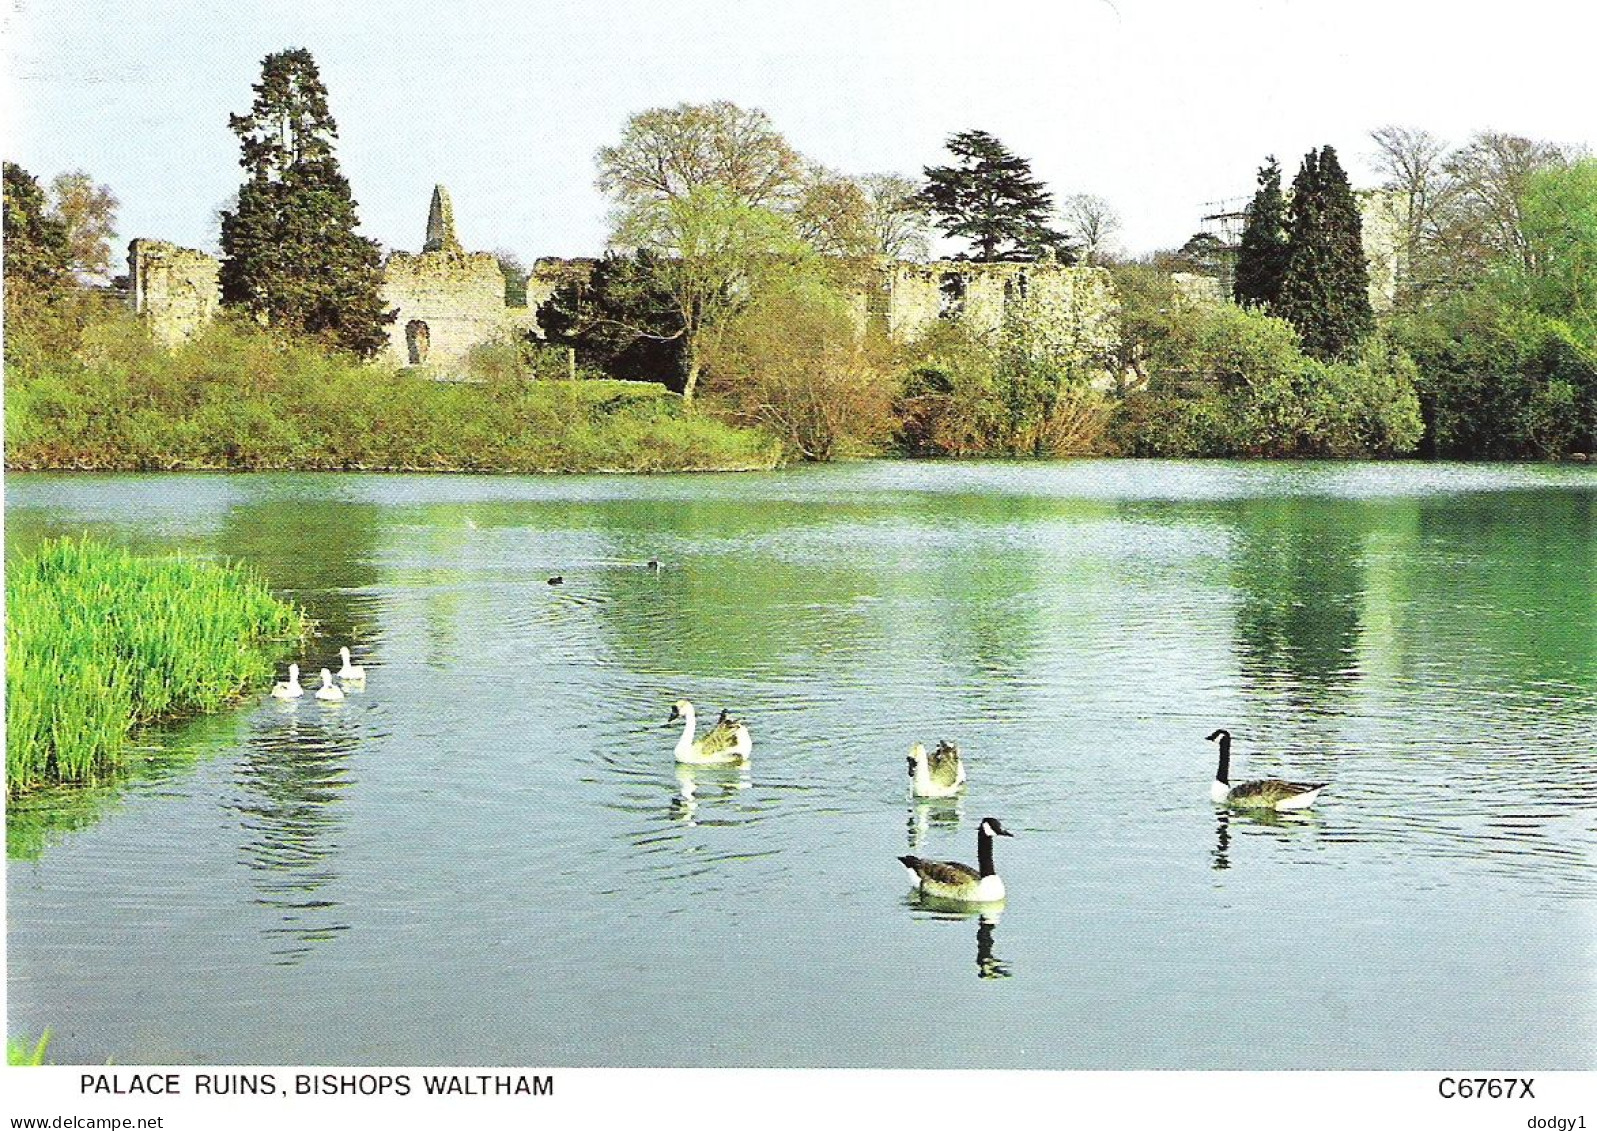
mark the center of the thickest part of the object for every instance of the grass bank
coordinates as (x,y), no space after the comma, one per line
(99,641)
(237,398)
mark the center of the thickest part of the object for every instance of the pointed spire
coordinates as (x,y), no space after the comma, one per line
(441,223)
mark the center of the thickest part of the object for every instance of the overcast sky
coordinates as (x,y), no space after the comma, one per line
(1157,106)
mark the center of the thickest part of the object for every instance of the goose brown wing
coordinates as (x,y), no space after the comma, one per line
(943,765)
(723,737)
(942,871)
(1271,790)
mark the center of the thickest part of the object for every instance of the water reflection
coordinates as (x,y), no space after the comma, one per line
(698,785)
(1285,825)
(989,965)
(1296,568)
(926,812)
(293,774)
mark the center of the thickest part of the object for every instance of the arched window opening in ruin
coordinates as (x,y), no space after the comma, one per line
(951,292)
(416,340)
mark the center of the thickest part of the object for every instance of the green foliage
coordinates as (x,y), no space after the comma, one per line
(794,362)
(1032,389)
(992,199)
(240,398)
(20,1055)
(1263,252)
(1508,365)
(1324,290)
(1225,380)
(37,250)
(1557,277)
(99,642)
(620,319)
(949,403)
(712,254)
(1499,382)
(291,254)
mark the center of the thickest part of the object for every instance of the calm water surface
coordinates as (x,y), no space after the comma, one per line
(488,856)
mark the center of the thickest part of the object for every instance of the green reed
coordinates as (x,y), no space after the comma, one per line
(99,641)
(19,1053)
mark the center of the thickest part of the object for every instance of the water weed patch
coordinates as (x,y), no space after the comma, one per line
(100,641)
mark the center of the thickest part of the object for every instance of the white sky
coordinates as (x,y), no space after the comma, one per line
(1157,106)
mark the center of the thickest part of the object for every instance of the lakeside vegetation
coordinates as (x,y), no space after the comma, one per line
(100,641)
(238,397)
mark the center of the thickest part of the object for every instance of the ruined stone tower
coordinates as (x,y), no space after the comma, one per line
(441,223)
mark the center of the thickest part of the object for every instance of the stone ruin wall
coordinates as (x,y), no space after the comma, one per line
(174,290)
(448,301)
(918,295)
(1383,221)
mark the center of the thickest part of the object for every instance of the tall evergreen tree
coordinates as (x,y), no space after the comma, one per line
(291,252)
(1262,254)
(992,199)
(1325,291)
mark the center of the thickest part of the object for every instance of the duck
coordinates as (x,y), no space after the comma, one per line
(291,689)
(948,880)
(940,774)
(726,744)
(350,673)
(1270,793)
(329,690)
(557,579)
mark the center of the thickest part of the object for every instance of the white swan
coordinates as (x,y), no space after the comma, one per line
(350,673)
(291,689)
(727,743)
(940,774)
(329,690)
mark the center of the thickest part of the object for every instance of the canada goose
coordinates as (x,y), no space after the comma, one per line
(557,580)
(328,690)
(946,879)
(1271,793)
(291,689)
(727,743)
(940,774)
(350,673)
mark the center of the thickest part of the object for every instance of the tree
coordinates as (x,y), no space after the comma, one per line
(38,252)
(1412,165)
(619,318)
(992,199)
(1094,225)
(1490,174)
(89,213)
(666,153)
(1325,290)
(515,273)
(897,217)
(834,215)
(291,254)
(1262,253)
(711,254)
(794,363)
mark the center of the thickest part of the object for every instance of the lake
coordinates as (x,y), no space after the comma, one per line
(489,857)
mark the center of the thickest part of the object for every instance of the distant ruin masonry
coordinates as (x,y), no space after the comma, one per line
(174,290)
(448,301)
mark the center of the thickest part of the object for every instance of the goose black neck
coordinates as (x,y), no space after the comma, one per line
(1223,774)
(984,851)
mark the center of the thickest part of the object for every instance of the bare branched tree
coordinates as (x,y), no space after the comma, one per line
(1092,222)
